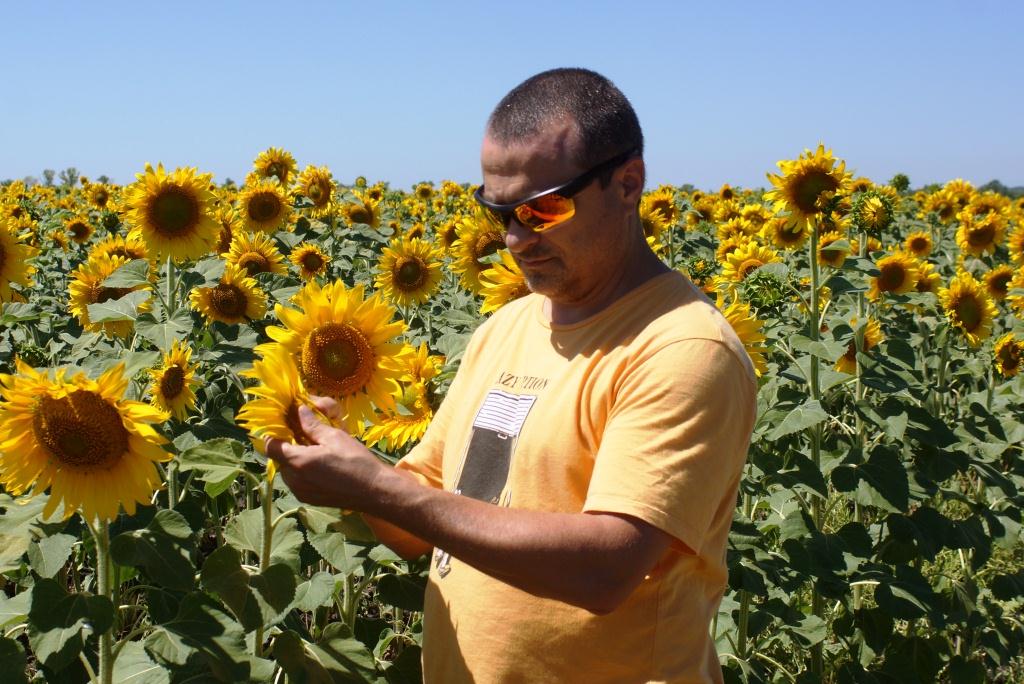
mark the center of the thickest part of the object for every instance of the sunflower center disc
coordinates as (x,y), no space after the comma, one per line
(918,245)
(3,257)
(968,312)
(809,187)
(79,231)
(172,382)
(81,430)
(891,277)
(981,237)
(311,261)
(1010,358)
(487,244)
(275,169)
(254,263)
(228,300)
(360,215)
(1001,284)
(409,273)
(105,294)
(748,266)
(173,212)
(264,206)
(337,360)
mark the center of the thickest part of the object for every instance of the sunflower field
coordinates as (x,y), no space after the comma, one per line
(153,335)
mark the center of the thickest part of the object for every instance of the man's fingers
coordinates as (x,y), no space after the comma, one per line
(327,406)
(279,450)
(316,429)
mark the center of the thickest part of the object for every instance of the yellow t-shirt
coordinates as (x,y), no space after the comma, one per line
(644,409)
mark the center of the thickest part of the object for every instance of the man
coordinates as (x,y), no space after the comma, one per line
(577,485)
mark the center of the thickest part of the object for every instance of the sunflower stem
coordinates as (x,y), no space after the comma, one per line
(817,607)
(172,484)
(170,303)
(268,537)
(859,393)
(102,534)
(743,625)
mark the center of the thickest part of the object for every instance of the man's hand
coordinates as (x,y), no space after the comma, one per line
(337,471)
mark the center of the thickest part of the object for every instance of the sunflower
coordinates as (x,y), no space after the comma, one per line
(255,253)
(310,260)
(897,274)
(235,299)
(919,243)
(872,336)
(86,287)
(276,163)
(943,204)
(968,307)
(407,422)
(748,328)
(1008,355)
(807,183)
(1017,283)
(230,225)
(173,382)
(416,230)
(873,212)
(928,278)
(478,237)
(316,183)
(978,235)
(274,412)
(14,255)
(422,366)
(997,282)
(409,271)
(735,227)
(81,438)
(342,344)
(662,200)
(726,210)
(654,224)
(1016,244)
(784,233)
(58,239)
(860,184)
(873,245)
(78,228)
(263,207)
(730,245)
(99,195)
(172,213)
(756,215)
(446,234)
(702,209)
(502,283)
(362,211)
(748,258)
(115,245)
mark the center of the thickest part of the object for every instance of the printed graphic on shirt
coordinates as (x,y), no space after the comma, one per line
(487,460)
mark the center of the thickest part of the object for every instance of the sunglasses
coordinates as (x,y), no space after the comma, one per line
(545,210)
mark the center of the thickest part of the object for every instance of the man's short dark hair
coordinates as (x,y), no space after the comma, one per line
(606,121)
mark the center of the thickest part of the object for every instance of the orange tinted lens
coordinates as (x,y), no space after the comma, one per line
(546,211)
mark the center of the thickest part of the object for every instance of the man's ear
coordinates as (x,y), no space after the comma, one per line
(631,181)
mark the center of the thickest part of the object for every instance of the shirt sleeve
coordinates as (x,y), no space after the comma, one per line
(676,440)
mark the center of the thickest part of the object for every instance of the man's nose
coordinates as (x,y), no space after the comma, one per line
(518,238)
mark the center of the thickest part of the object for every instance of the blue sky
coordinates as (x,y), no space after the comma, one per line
(400,91)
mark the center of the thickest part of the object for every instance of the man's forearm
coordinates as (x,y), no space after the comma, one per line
(596,556)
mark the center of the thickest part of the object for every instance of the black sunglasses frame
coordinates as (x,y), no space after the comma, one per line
(566,190)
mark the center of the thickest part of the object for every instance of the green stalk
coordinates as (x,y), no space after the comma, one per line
(268,537)
(817,604)
(743,625)
(170,303)
(102,535)
(859,392)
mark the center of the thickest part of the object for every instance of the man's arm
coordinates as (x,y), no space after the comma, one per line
(591,560)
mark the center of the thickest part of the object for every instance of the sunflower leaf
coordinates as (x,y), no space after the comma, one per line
(57,620)
(132,274)
(163,549)
(49,554)
(163,334)
(18,518)
(202,625)
(335,658)
(216,460)
(134,666)
(800,418)
(260,599)
(12,662)
(124,309)
(15,610)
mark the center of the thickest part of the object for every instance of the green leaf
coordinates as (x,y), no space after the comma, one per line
(245,531)
(12,662)
(163,549)
(315,592)
(800,418)
(164,333)
(881,481)
(215,460)
(1008,587)
(915,659)
(49,554)
(274,589)
(203,626)
(402,591)
(332,547)
(124,309)
(334,659)
(963,671)
(14,610)
(57,621)
(131,274)
(255,600)
(18,518)
(134,666)
(18,312)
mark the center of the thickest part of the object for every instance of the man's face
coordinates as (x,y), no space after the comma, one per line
(569,262)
